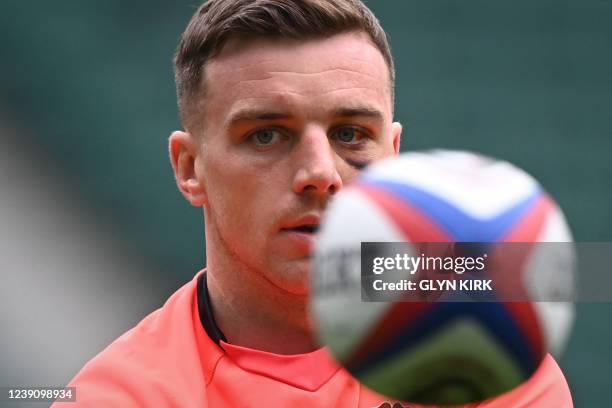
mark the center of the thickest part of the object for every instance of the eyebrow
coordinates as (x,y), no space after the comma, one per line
(363,111)
(250,115)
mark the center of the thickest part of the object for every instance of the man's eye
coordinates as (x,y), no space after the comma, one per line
(266,137)
(348,135)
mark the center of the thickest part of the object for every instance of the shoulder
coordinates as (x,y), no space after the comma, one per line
(160,362)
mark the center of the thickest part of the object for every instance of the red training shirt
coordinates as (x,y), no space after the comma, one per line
(177,357)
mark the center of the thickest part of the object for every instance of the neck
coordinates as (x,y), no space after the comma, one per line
(251,311)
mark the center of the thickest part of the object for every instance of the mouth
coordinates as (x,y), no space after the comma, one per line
(306,228)
(300,234)
(308,224)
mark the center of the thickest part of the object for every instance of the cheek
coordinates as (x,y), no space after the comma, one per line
(349,175)
(241,201)
(347,171)
(383,151)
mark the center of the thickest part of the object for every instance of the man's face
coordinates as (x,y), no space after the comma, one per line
(286,125)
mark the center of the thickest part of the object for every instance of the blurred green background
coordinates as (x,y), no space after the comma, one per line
(87,87)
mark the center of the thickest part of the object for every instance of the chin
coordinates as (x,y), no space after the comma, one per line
(292,277)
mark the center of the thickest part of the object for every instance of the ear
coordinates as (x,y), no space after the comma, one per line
(184,157)
(396,135)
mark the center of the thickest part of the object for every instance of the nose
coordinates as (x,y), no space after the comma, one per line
(317,173)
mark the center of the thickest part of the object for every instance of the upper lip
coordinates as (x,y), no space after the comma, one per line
(303,221)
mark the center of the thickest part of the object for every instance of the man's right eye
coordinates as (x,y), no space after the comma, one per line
(265,137)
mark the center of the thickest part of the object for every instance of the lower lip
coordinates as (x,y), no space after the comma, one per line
(304,240)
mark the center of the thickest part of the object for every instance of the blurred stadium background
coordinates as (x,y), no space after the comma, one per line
(94,234)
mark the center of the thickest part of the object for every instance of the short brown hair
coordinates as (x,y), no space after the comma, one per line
(216,21)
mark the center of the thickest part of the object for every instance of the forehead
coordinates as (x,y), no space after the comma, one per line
(307,77)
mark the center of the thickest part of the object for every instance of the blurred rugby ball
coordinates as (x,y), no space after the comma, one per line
(441,352)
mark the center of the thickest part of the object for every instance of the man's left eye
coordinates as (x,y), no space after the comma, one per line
(348,135)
